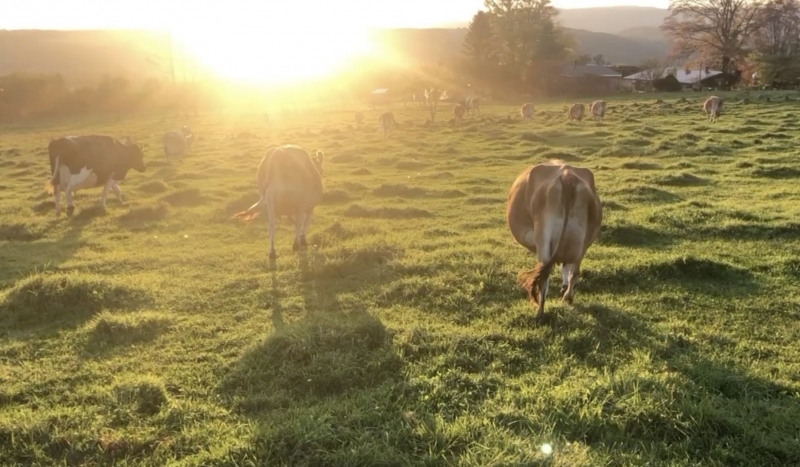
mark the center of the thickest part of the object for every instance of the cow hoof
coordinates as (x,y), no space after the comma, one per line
(563,291)
(295,245)
(272,255)
(70,210)
(303,242)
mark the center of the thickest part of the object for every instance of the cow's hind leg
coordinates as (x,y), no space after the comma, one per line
(57,199)
(306,224)
(70,205)
(118,192)
(272,221)
(299,220)
(569,277)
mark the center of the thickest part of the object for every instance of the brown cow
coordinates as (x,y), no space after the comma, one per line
(527,111)
(553,210)
(713,108)
(289,182)
(576,112)
(459,112)
(598,110)
(387,122)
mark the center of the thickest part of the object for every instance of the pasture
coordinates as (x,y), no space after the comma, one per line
(158,333)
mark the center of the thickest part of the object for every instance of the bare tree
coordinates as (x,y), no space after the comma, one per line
(712,30)
(777,42)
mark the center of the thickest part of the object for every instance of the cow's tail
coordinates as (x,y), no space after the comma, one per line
(254,210)
(532,280)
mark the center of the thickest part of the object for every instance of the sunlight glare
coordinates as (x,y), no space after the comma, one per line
(293,46)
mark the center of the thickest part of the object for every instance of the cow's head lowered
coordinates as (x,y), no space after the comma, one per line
(134,155)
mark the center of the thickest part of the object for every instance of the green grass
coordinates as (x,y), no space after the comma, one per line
(158,333)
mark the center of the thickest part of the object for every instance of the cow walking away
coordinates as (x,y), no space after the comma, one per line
(713,108)
(527,111)
(554,211)
(80,162)
(177,142)
(473,104)
(598,110)
(458,112)
(289,183)
(387,122)
(576,112)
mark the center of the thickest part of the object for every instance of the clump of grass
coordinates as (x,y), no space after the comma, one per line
(683,179)
(185,198)
(43,298)
(139,396)
(108,329)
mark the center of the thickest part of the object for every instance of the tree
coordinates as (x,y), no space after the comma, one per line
(480,44)
(520,26)
(653,70)
(712,30)
(599,59)
(777,42)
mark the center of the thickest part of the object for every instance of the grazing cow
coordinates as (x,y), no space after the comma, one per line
(576,112)
(359,117)
(79,162)
(387,122)
(459,112)
(598,110)
(527,111)
(289,183)
(473,104)
(177,142)
(553,210)
(713,108)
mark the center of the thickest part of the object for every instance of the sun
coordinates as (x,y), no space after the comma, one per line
(284,50)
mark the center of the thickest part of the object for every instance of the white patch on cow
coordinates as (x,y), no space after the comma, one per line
(86,178)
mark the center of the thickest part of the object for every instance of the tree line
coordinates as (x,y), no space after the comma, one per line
(519,42)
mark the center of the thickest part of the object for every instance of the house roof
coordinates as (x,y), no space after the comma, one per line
(573,70)
(683,75)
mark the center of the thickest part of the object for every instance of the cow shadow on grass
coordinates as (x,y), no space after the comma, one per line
(687,395)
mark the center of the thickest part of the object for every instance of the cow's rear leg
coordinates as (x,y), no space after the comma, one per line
(299,240)
(306,224)
(57,199)
(70,205)
(118,192)
(569,277)
(272,221)
(542,295)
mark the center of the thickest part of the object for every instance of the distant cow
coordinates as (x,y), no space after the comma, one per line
(598,110)
(459,112)
(387,122)
(289,183)
(713,108)
(177,142)
(359,117)
(553,210)
(527,111)
(576,112)
(473,104)
(80,162)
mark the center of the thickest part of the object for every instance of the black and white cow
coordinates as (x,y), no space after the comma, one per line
(80,162)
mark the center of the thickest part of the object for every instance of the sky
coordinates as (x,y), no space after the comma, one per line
(158,14)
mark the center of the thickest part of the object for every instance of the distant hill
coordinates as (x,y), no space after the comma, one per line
(612,20)
(619,50)
(82,57)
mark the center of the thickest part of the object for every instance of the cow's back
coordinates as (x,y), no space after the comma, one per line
(291,179)
(95,152)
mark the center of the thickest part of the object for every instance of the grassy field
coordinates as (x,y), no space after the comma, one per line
(158,333)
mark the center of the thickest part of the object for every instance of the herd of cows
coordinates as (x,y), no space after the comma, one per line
(553,209)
